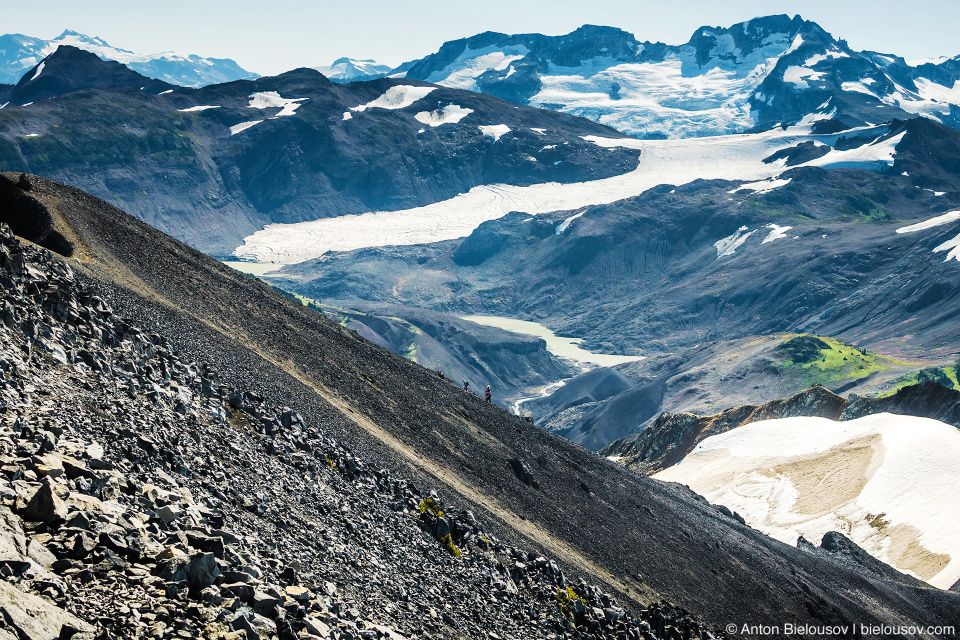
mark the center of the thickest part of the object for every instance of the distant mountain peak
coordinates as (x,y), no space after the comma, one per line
(70,69)
(20,53)
(752,75)
(347,69)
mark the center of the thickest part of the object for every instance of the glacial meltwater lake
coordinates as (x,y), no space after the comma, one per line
(558,346)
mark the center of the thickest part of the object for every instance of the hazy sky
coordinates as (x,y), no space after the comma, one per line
(291,33)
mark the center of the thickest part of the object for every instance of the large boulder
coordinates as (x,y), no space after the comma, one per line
(45,505)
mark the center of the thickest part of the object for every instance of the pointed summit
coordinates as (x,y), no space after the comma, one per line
(70,69)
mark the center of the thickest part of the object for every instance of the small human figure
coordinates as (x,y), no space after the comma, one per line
(488,393)
(466,385)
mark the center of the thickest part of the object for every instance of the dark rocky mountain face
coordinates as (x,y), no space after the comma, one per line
(151,312)
(779,70)
(70,69)
(214,165)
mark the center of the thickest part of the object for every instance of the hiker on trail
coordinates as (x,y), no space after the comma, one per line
(466,385)
(488,393)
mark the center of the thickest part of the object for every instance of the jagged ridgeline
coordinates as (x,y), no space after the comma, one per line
(189,453)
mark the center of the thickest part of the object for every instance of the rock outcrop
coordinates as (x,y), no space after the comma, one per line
(925,400)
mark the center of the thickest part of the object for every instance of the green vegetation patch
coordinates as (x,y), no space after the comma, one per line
(822,360)
(803,349)
(946,376)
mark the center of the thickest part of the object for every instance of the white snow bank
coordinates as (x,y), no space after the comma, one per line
(566,223)
(199,107)
(884,480)
(272,99)
(799,76)
(952,247)
(728,246)
(243,126)
(38,72)
(946,218)
(462,73)
(398,97)
(875,155)
(495,131)
(763,186)
(777,232)
(858,87)
(450,114)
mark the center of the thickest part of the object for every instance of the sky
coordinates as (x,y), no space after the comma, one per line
(295,33)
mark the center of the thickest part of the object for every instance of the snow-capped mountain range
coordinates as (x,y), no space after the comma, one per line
(348,69)
(19,53)
(752,75)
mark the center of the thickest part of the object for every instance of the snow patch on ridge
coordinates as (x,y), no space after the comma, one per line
(400,96)
(495,131)
(38,72)
(243,126)
(799,76)
(272,99)
(763,186)
(952,247)
(566,223)
(450,114)
(946,218)
(199,107)
(777,233)
(728,246)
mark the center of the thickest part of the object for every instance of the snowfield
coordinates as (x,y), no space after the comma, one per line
(886,481)
(462,73)
(272,100)
(728,246)
(675,162)
(199,107)
(777,233)
(243,126)
(952,247)
(495,131)
(38,71)
(946,218)
(398,97)
(762,186)
(450,114)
